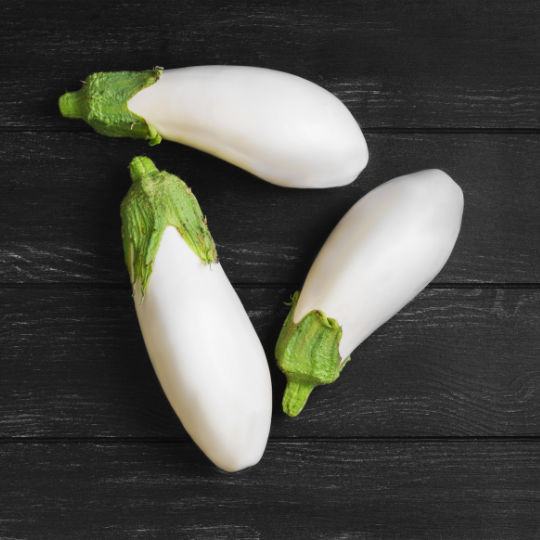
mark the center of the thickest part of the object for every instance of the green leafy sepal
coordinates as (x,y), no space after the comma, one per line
(103,100)
(308,354)
(155,201)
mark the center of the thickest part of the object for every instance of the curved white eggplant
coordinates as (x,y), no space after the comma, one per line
(382,253)
(279,127)
(199,337)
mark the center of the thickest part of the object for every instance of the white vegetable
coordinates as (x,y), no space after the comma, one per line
(278,126)
(206,355)
(200,340)
(383,252)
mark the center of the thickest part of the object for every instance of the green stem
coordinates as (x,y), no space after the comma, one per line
(139,166)
(155,201)
(296,395)
(103,100)
(73,104)
(308,353)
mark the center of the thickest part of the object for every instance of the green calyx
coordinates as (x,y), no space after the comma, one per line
(103,100)
(155,201)
(308,354)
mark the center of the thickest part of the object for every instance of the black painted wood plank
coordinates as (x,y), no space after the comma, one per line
(452,363)
(59,210)
(418,64)
(450,490)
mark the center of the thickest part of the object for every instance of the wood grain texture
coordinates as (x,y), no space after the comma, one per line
(432,431)
(319,490)
(59,210)
(452,363)
(418,64)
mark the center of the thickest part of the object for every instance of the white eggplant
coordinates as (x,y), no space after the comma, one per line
(382,253)
(279,127)
(199,337)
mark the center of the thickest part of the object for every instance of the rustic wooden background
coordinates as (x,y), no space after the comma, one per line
(433,430)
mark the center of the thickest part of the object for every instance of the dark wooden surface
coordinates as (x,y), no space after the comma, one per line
(433,430)
(470,490)
(452,363)
(264,233)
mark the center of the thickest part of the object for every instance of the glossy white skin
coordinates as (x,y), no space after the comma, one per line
(280,127)
(206,355)
(382,253)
